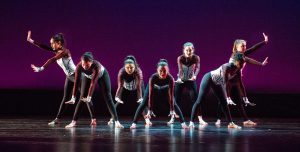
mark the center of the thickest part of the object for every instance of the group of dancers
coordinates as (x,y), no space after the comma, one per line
(81,80)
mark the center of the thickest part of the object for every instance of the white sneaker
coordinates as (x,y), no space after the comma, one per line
(118,125)
(249,123)
(184,126)
(54,122)
(148,122)
(93,122)
(201,121)
(133,126)
(171,120)
(111,121)
(71,125)
(218,122)
(234,126)
(191,125)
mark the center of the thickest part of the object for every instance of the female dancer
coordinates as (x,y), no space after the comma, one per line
(130,81)
(94,73)
(188,69)
(218,80)
(237,89)
(161,84)
(63,58)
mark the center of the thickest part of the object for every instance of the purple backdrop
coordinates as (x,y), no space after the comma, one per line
(151,30)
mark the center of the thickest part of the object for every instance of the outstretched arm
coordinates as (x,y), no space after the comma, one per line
(253,61)
(59,55)
(42,46)
(258,45)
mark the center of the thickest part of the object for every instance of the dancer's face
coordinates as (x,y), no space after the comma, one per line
(162,71)
(241,47)
(188,51)
(129,68)
(86,64)
(55,45)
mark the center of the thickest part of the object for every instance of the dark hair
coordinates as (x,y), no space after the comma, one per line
(130,59)
(238,57)
(87,56)
(162,62)
(59,38)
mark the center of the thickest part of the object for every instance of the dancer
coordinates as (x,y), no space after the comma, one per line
(63,58)
(94,73)
(218,81)
(188,69)
(237,89)
(130,81)
(161,84)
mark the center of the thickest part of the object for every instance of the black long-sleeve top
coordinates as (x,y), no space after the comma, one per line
(155,82)
(93,73)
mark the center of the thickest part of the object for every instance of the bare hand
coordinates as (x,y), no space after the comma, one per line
(265,61)
(29,37)
(266,37)
(36,69)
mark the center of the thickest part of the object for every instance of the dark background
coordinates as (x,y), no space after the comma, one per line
(149,30)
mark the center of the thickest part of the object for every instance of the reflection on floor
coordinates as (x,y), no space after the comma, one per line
(33,134)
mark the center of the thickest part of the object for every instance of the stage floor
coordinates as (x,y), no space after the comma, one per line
(33,134)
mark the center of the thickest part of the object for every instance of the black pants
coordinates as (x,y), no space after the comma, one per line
(192,86)
(105,88)
(69,83)
(236,94)
(206,84)
(126,94)
(145,102)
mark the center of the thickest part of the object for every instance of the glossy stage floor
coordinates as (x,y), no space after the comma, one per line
(33,134)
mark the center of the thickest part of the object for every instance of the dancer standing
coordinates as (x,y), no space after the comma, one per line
(64,60)
(94,73)
(218,81)
(130,81)
(161,84)
(188,69)
(237,89)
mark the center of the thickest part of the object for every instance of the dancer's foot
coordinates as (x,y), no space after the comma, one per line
(54,122)
(111,121)
(71,125)
(249,123)
(171,120)
(184,126)
(201,121)
(133,126)
(218,122)
(234,126)
(148,122)
(191,125)
(93,122)
(118,125)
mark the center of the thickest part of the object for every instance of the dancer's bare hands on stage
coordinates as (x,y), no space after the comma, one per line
(149,114)
(72,101)
(247,102)
(230,102)
(173,114)
(140,100)
(37,69)
(119,100)
(178,81)
(193,78)
(265,62)
(29,37)
(87,99)
(266,38)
